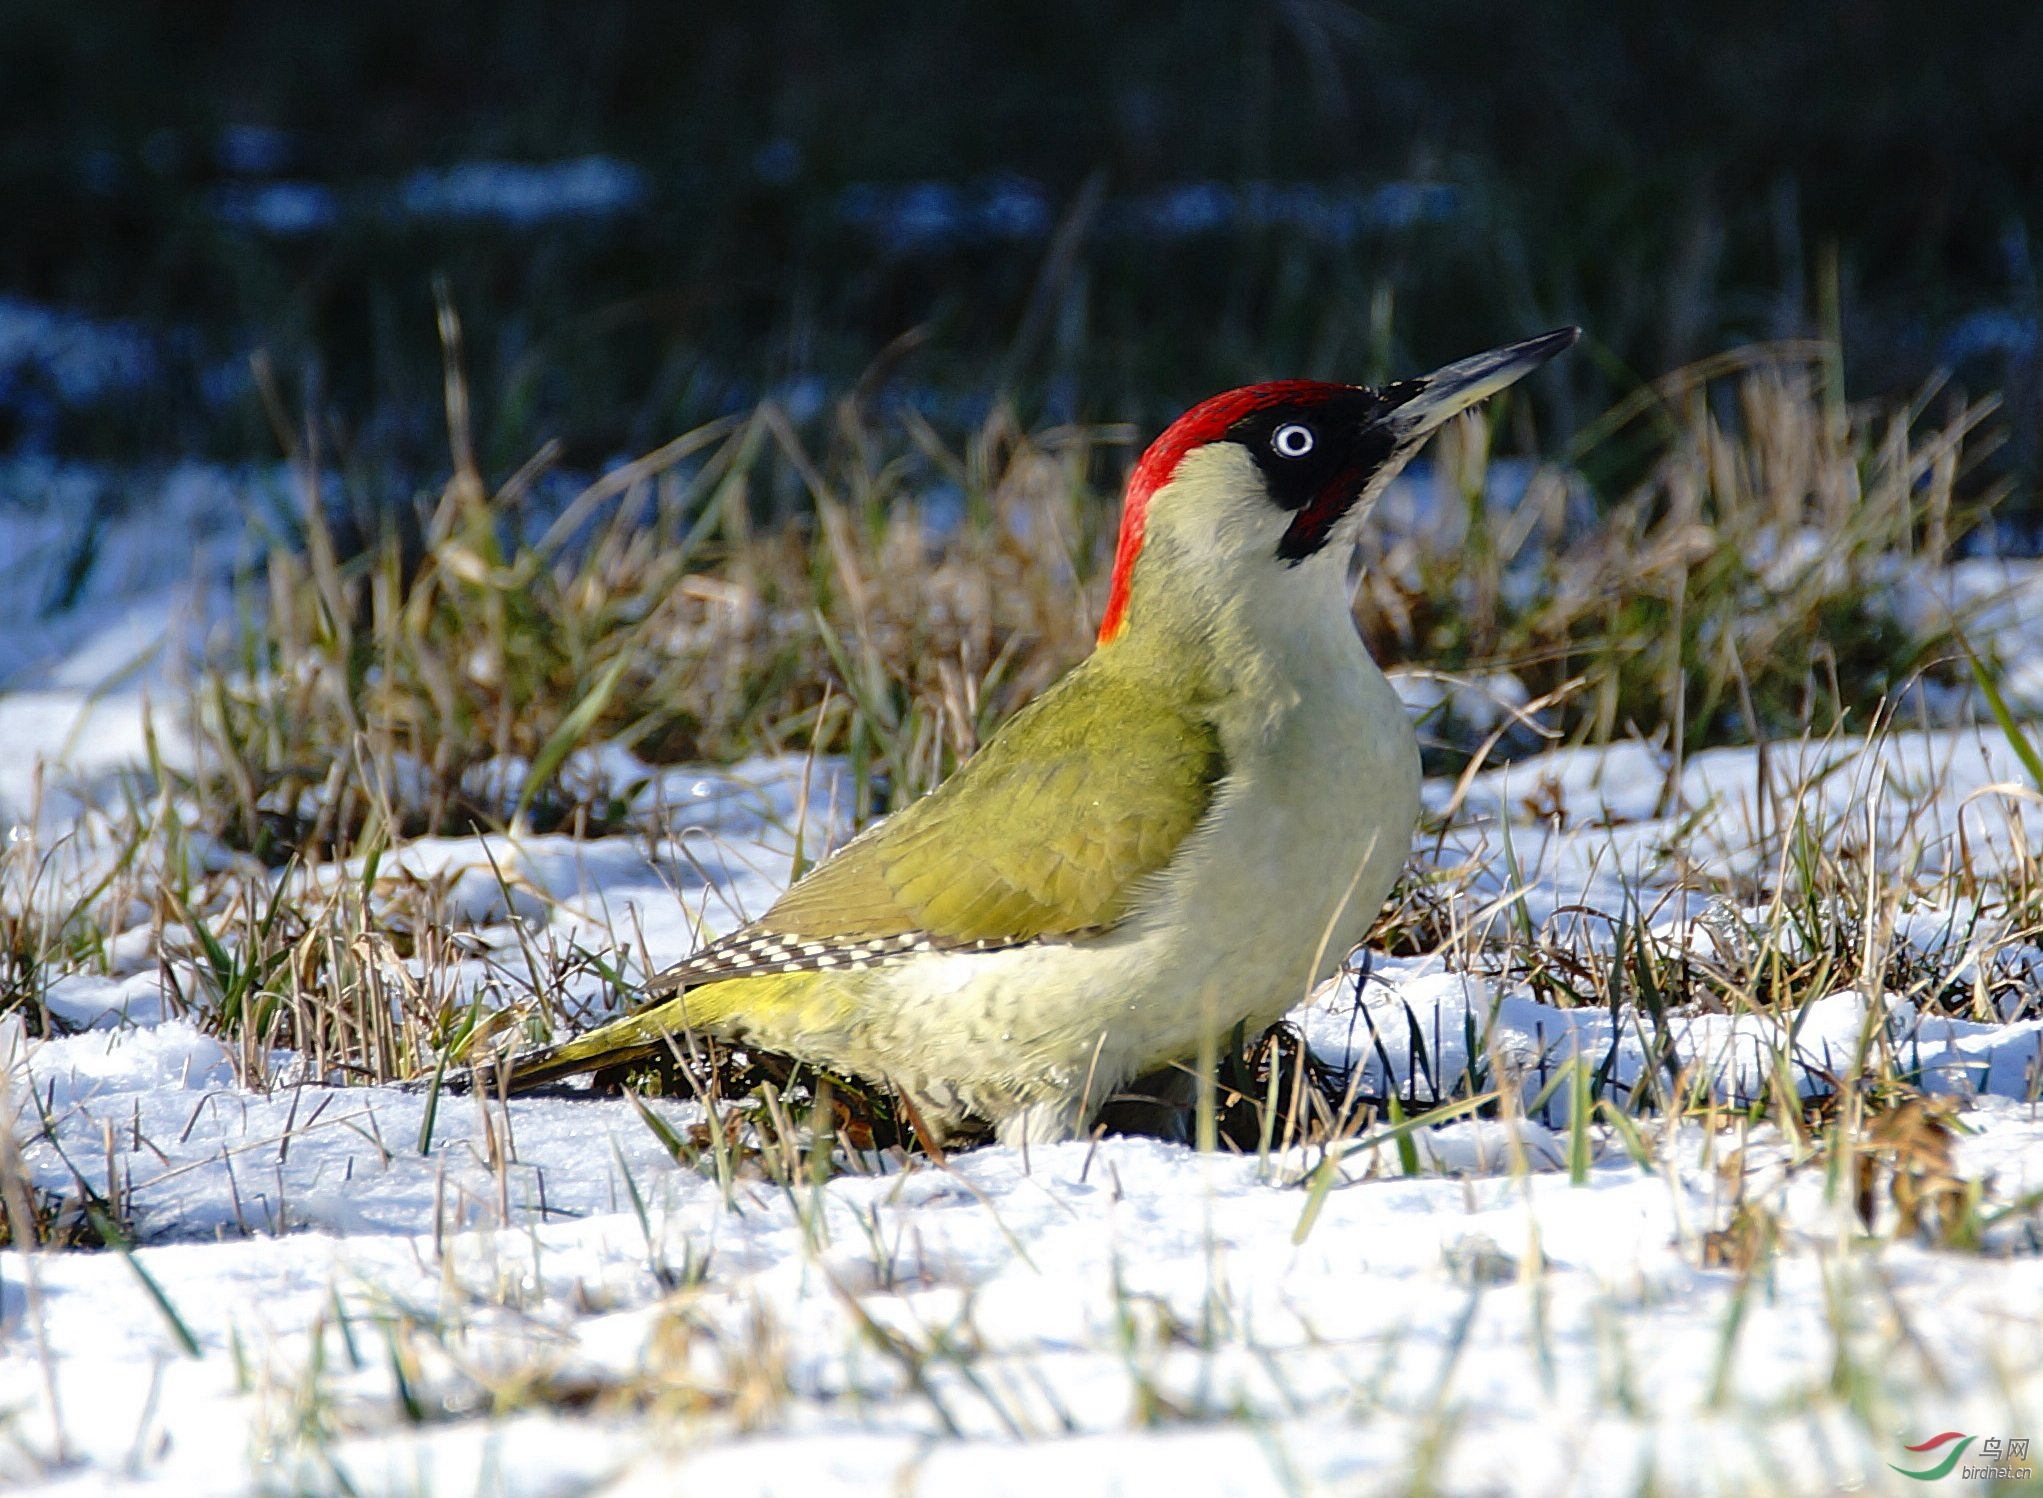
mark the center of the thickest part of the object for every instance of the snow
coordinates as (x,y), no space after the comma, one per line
(521,193)
(933,214)
(392,1292)
(79,359)
(285,209)
(1129,1309)
(1413,1037)
(511,194)
(1996,603)
(91,662)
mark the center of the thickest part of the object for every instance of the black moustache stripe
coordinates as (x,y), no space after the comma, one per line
(1313,524)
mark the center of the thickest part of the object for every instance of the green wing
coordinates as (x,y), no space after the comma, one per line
(1049,831)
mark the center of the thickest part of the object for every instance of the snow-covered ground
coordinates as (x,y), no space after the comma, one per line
(353,1289)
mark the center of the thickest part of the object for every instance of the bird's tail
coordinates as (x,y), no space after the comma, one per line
(599,1048)
(657,1029)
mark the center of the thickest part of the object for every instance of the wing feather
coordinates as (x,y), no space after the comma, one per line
(1048,833)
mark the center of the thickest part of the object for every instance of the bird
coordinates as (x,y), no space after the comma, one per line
(1185,833)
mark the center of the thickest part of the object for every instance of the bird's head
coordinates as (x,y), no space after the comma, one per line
(1273,476)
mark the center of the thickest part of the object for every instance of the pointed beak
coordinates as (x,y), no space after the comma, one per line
(1451,390)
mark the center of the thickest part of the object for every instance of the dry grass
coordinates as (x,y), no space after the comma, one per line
(916,592)
(913,594)
(1736,590)
(655,612)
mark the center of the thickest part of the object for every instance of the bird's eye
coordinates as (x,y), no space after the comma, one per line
(1292,440)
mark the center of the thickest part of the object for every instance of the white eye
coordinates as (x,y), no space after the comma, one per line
(1292,440)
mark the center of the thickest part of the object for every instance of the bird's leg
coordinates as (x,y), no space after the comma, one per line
(1157,1105)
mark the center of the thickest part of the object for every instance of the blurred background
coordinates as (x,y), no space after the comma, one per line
(649,214)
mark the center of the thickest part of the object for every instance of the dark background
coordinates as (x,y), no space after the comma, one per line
(1029,189)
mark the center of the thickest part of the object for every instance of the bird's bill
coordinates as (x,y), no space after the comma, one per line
(1453,389)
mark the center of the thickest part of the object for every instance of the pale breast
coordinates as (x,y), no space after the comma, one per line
(1304,850)
(1266,897)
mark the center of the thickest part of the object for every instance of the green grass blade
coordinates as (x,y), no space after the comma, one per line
(1323,1179)
(2025,748)
(670,1141)
(432,1106)
(112,1234)
(580,719)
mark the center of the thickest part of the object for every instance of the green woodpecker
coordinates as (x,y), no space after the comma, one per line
(1193,827)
